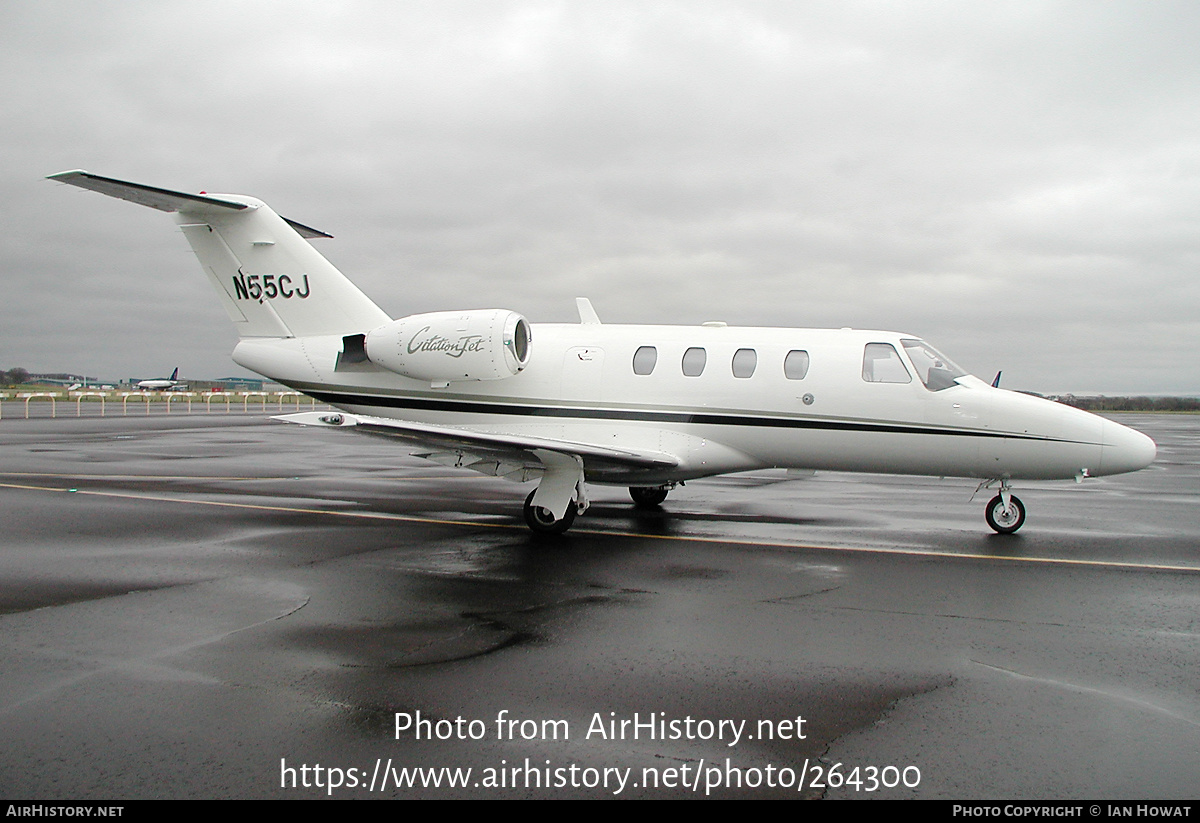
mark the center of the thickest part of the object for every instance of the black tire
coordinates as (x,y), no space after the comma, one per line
(1005,522)
(647,497)
(541,521)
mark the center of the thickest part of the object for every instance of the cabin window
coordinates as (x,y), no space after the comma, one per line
(795,365)
(693,361)
(744,362)
(644,359)
(935,371)
(882,364)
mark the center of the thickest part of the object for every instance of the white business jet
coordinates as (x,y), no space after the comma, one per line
(647,407)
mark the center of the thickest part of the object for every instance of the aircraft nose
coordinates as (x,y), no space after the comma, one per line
(1124,449)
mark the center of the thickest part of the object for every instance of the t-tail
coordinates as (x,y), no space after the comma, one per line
(271,282)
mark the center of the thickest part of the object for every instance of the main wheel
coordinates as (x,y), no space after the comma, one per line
(1005,521)
(647,497)
(541,521)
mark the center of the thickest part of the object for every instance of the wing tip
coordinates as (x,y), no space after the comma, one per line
(307,232)
(63,176)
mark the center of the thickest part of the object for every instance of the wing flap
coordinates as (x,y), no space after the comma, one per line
(510,454)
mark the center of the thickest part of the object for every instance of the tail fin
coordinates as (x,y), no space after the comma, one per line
(271,282)
(175,374)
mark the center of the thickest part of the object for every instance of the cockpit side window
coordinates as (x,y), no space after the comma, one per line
(882,364)
(935,371)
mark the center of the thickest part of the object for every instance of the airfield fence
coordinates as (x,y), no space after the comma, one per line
(124,403)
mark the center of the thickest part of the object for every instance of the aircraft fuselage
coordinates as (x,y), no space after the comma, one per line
(581,386)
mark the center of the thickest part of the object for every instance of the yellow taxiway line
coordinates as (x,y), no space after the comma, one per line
(735,541)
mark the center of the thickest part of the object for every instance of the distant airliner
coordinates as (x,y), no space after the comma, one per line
(160,383)
(647,407)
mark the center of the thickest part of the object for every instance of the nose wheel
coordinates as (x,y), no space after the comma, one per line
(1005,516)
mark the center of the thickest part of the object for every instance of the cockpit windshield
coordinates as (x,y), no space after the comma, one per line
(936,372)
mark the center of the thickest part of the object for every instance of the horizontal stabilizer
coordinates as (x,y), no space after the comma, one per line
(164,199)
(155,198)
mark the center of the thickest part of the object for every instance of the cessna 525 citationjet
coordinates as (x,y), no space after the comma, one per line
(647,407)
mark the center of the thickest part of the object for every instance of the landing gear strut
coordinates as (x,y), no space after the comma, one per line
(647,497)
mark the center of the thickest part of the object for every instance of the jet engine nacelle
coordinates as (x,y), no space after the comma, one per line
(444,346)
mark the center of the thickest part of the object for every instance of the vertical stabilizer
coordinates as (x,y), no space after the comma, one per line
(271,282)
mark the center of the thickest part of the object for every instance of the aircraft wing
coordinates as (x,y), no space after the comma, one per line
(513,456)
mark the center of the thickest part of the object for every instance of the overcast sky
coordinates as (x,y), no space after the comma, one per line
(1018,183)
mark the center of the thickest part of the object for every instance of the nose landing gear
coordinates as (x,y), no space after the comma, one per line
(1005,512)
(1005,519)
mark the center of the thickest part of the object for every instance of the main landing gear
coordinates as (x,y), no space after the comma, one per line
(560,496)
(542,521)
(1005,512)
(648,497)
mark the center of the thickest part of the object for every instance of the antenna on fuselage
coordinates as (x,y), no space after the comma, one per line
(587,315)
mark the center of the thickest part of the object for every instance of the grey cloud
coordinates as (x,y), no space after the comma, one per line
(1017,182)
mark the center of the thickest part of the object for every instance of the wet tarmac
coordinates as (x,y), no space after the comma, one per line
(225,606)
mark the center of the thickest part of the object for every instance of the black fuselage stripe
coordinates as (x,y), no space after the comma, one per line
(698,418)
